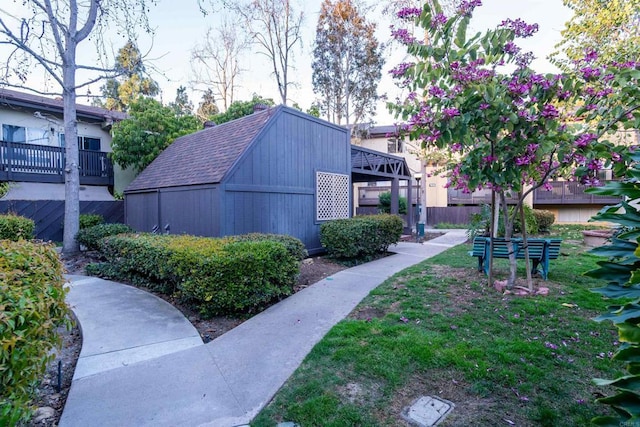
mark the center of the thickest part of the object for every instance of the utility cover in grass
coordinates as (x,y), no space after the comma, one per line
(427,411)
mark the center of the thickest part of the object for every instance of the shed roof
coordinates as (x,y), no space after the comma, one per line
(203,157)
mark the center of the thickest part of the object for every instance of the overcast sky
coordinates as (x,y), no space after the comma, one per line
(179,26)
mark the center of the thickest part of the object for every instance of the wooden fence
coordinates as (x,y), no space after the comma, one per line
(451,214)
(49,214)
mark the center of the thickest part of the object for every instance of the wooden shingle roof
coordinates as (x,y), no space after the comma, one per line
(203,157)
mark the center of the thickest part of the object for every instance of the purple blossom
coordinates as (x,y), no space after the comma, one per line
(449,113)
(409,13)
(550,345)
(489,159)
(438,21)
(412,96)
(519,27)
(523,60)
(402,35)
(591,55)
(455,147)
(585,139)
(437,92)
(589,73)
(616,157)
(563,94)
(401,69)
(547,186)
(435,134)
(484,106)
(549,112)
(466,6)
(595,165)
(511,48)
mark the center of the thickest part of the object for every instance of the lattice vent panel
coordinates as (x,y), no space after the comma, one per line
(332,195)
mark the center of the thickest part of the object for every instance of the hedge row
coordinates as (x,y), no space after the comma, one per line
(15,227)
(218,276)
(90,237)
(31,308)
(360,237)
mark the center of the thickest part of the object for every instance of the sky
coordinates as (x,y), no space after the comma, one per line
(179,26)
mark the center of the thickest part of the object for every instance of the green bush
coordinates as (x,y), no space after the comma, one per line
(294,246)
(384,203)
(15,227)
(218,276)
(91,236)
(89,220)
(361,237)
(544,219)
(243,277)
(31,308)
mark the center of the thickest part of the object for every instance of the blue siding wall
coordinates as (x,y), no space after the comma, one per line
(187,210)
(272,187)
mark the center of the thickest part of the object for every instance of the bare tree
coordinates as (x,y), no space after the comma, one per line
(47,33)
(215,62)
(274,26)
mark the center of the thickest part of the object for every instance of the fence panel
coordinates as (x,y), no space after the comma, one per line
(451,214)
(49,214)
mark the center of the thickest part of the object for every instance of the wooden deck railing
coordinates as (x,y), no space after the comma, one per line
(562,192)
(42,163)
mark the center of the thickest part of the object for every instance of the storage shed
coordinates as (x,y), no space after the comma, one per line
(276,171)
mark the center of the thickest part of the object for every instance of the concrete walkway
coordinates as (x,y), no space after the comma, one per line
(143,364)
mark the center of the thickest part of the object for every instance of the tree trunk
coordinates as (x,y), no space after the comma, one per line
(523,224)
(71,175)
(508,233)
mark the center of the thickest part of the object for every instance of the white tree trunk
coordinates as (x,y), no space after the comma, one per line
(71,170)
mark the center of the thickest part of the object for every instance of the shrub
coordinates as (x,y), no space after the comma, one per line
(384,203)
(15,227)
(89,220)
(31,308)
(218,276)
(91,236)
(361,237)
(241,278)
(294,246)
(545,220)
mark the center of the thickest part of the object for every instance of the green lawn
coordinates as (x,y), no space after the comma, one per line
(437,329)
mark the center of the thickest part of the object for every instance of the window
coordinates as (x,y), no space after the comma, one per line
(395,145)
(84,143)
(22,134)
(332,196)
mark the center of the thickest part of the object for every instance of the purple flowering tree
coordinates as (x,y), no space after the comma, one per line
(507,127)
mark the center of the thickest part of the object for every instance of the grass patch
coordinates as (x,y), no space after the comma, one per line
(438,329)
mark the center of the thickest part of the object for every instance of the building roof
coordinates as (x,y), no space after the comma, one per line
(203,157)
(55,106)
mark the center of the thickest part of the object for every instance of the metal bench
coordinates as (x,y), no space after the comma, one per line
(541,251)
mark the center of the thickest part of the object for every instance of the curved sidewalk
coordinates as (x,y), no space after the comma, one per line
(143,365)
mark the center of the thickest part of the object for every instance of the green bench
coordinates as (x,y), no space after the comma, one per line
(541,251)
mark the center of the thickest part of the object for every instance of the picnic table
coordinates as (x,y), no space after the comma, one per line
(541,251)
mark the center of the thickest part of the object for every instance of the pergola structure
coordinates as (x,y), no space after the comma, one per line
(369,165)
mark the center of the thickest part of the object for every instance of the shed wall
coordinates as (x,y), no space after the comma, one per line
(186,210)
(272,188)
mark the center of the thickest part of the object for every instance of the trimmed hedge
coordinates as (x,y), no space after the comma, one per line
(545,220)
(360,237)
(91,236)
(218,276)
(89,220)
(15,227)
(294,246)
(31,308)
